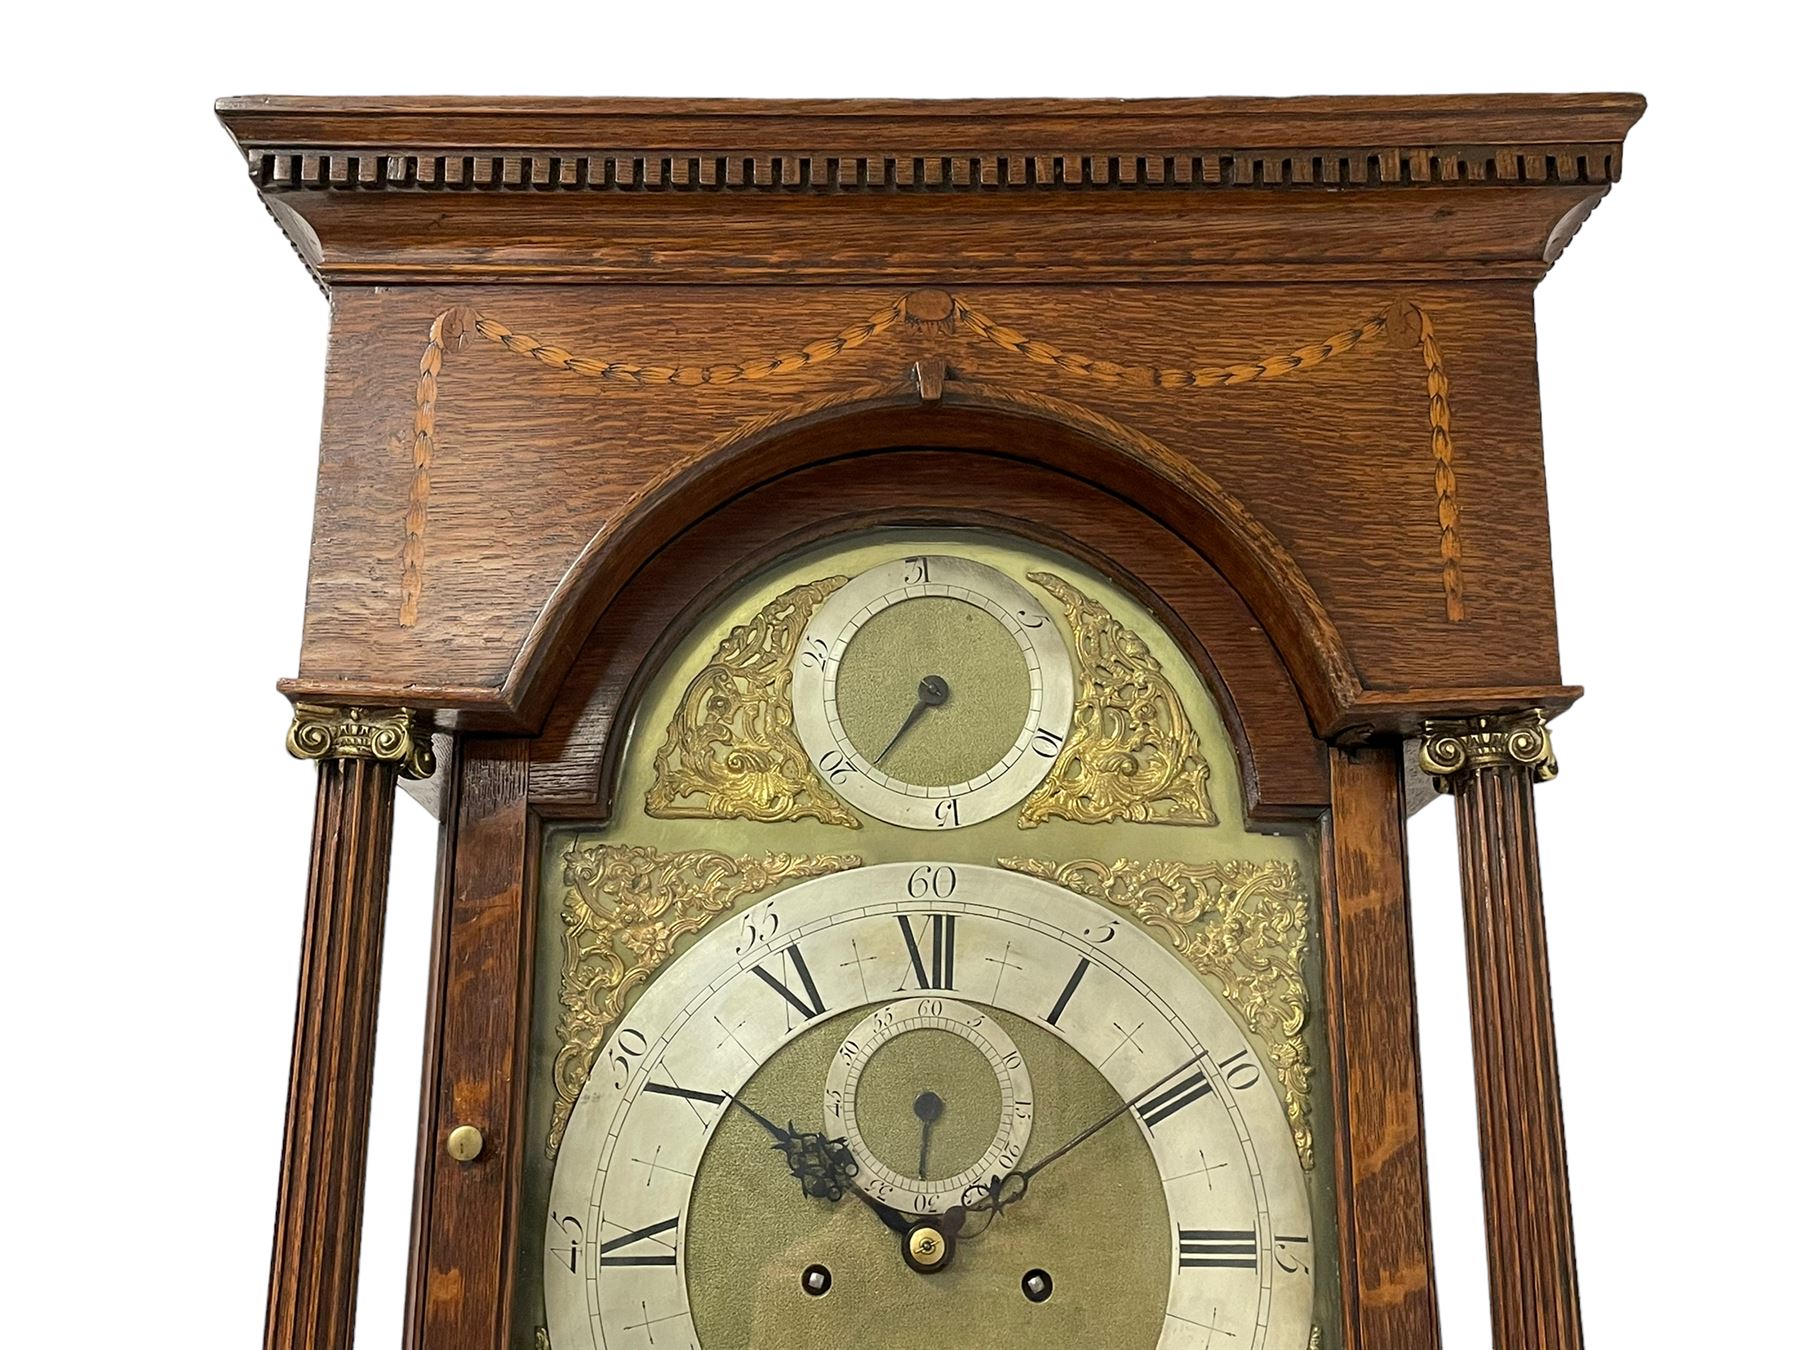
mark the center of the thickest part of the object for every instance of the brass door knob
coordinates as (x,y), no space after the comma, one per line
(464,1143)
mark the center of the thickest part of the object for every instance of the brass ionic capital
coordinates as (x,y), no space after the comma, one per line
(395,735)
(1455,747)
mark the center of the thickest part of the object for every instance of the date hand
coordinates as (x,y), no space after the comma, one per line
(932,692)
(1001,1192)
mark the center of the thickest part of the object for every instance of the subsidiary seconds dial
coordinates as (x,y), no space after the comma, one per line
(922,1067)
(933,691)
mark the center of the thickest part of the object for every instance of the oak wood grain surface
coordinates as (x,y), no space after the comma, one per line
(1372,1026)
(404,189)
(324,1147)
(531,467)
(524,120)
(1533,1297)
(466,1211)
(444,801)
(1114,227)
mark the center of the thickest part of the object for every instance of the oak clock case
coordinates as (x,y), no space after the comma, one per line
(614,387)
(818,1062)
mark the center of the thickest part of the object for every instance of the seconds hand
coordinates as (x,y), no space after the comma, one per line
(928,1107)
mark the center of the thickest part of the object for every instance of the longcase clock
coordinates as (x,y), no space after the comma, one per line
(923,626)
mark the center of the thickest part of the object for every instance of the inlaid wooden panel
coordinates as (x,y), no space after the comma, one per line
(1255,293)
(528,463)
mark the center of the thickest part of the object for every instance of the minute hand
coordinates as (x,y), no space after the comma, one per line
(1022,1179)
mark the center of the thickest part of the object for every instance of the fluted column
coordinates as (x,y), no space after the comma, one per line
(318,1221)
(1491,765)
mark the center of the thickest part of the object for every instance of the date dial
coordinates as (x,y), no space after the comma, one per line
(933,691)
(932,1097)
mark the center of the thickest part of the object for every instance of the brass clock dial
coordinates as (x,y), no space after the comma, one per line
(1155,1195)
(967,1075)
(933,692)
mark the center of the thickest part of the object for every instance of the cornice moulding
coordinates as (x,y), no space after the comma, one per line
(664,145)
(787,122)
(1523,170)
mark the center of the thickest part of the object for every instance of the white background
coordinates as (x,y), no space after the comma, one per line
(163,362)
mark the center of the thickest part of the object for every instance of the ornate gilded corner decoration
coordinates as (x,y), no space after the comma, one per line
(731,749)
(543,1340)
(938,313)
(1132,753)
(394,735)
(624,909)
(1313,1343)
(1454,748)
(1242,923)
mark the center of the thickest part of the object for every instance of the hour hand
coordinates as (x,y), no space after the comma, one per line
(824,1167)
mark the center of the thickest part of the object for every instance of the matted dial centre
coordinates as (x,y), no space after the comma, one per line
(970,717)
(928,1087)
